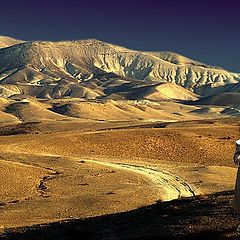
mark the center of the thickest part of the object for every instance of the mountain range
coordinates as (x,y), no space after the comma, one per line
(92,70)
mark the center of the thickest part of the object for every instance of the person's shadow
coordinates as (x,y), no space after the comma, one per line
(201,217)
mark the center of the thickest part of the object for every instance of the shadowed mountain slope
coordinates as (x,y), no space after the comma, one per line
(223,99)
(7,41)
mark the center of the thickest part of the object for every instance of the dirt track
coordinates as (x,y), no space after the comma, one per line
(168,185)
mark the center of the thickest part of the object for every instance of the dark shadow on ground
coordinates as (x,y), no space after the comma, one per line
(20,128)
(201,217)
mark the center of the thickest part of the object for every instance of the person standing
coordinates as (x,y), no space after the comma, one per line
(236,198)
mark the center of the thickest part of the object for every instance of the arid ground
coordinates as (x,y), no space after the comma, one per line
(69,171)
(98,141)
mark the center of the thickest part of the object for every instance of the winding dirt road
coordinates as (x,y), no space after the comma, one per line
(169,186)
(66,187)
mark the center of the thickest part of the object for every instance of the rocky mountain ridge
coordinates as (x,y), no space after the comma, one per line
(98,68)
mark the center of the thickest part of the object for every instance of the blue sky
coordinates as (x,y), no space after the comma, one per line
(207,31)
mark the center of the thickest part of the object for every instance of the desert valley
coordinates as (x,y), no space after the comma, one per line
(93,133)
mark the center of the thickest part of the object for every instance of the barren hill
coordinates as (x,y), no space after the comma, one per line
(100,67)
(108,82)
(224,99)
(7,41)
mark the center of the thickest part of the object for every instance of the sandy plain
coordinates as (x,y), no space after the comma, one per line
(53,174)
